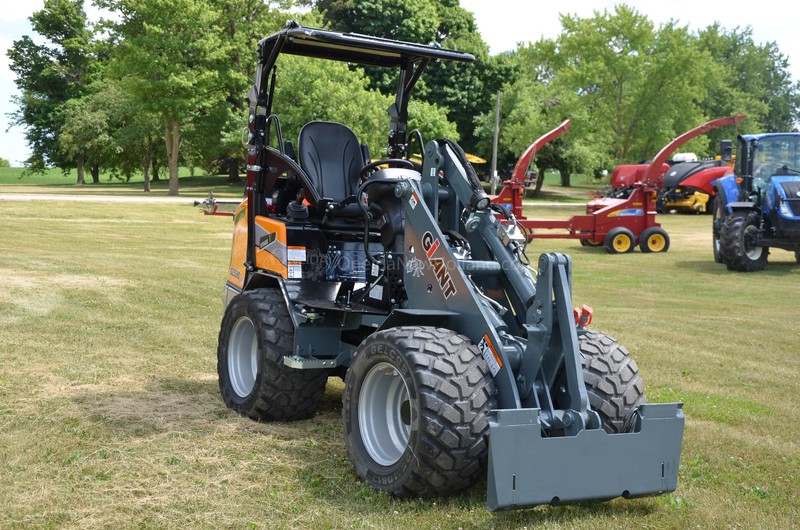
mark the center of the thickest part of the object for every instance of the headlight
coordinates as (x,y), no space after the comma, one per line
(784,209)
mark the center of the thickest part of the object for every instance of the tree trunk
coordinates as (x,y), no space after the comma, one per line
(565,174)
(233,171)
(95,170)
(147,159)
(80,163)
(172,135)
(156,178)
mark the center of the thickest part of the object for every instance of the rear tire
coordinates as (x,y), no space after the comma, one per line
(255,335)
(619,240)
(612,381)
(737,237)
(414,412)
(654,239)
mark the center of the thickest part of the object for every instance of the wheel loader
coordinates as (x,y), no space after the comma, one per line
(460,359)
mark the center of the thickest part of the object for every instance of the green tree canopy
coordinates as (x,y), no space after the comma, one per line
(628,87)
(49,75)
(169,58)
(460,88)
(754,80)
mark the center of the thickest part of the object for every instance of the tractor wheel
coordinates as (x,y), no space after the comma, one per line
(612,381)
(590,243)
(738,235)
(619,240)
(716,227)
(255,335)
(414,411)
(654,239)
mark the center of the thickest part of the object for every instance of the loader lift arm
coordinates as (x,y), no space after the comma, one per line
(547,430)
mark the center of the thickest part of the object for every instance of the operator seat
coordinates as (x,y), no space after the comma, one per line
(330,154)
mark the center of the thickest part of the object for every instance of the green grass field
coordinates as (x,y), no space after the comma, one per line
(110,414)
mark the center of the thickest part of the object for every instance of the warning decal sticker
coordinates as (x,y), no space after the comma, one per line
(489,354)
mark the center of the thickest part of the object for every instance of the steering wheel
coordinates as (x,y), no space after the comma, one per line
(402,162)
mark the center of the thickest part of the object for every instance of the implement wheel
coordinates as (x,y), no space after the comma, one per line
(414,411)
(738,237)
(619,240)
(612,381)
(590,242)
(256,333)
(654,239)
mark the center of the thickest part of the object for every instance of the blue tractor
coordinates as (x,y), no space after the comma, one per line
(758,207)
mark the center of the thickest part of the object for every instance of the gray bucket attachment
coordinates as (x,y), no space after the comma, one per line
(527,469)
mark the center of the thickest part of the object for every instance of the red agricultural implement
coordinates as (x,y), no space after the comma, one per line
(211,206)
(513,192)
(618,222)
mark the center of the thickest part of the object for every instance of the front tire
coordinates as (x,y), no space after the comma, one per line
(414,412)
(612,381)
(738,236)
(255,335)
(716,228)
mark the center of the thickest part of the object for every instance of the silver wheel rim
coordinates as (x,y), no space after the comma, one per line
(243,357)
(753,252)
(384,414)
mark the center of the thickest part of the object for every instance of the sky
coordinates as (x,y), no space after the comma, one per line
(502,24)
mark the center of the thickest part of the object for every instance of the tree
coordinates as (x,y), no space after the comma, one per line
(215,138)
(326,90)
(754,80)
(627,87)
(457,87)
(168,59)
(86,134)
(49,75)
(643,85)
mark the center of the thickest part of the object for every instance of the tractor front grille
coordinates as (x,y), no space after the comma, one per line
(791,189)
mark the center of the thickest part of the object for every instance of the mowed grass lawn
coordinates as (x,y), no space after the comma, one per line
(110,415)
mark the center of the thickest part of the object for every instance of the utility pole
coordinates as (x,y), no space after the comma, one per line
(493,168)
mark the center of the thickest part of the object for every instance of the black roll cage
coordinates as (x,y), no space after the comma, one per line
(265,162)
(410,59)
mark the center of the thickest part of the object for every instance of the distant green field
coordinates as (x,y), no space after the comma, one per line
(54,181)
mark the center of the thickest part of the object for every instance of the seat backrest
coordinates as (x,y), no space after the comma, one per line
(330,154)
